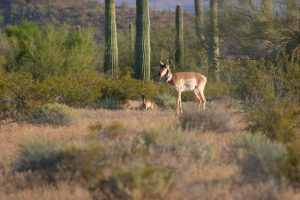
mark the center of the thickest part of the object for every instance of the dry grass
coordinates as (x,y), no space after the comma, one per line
(202,162)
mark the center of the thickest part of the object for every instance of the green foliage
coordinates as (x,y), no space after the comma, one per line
(214,118)
(19,94)
(249,81)
(97,126)
(140,182)
(214,90)
(51,50)
(290,166)
(76,89)
(166,101)
(54,114)
(109,103)
(276,118)
(261,159)
(41,155)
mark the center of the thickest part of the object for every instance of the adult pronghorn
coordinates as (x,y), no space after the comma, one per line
(184,81)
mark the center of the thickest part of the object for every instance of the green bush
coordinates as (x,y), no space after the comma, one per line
(140,182)
(214,118)
(19,95)
(39,156)
(54,114)
(109,103)
(50,50)
(214,90)
(51,159)
(290,166)
(166,101)
(262,158)
(249,81)
(274,117)
(76,89)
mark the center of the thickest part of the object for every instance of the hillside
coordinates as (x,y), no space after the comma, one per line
(83,13)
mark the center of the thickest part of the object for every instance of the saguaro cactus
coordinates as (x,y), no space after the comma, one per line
(131,35)
(267,7)
(111,60)
(179,53)
(142,41)
(199,20)
(214,52)
(292,7)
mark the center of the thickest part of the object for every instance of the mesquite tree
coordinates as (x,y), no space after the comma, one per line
(214,51)
(111,60)
(179,51)
(142,41)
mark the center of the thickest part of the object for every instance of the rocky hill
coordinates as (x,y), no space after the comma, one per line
(78,12)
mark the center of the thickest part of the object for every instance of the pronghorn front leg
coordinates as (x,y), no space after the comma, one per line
(178,102)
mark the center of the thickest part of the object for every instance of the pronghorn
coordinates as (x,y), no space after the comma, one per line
(184,81)
(147,103)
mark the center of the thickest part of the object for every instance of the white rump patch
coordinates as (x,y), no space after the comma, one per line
(189,84)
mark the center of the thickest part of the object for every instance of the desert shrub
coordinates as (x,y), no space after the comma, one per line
(54,114)
(274,117)
(112,131)
(171,141)
(41,155)
(19,94)
(109,103)
(261,158)
(290,166)
(76,89)
(140,182)
(89,89)
(249,81)
(214,118)
(50,159)
(50,50)
(213,90)
(166,101)
(94,127)
(286,77)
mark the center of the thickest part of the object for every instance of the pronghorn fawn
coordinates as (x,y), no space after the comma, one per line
(147,104)
(184,81)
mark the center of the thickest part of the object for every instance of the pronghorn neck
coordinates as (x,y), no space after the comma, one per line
(169,76)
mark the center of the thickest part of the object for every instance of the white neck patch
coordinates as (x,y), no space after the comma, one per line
(169,78)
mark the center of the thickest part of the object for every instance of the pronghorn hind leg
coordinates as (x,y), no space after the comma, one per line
(203,99)
(198,98)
